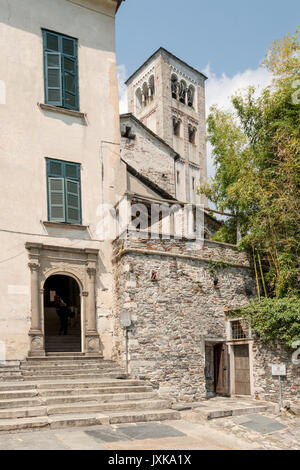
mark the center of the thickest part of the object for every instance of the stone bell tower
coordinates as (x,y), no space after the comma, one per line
(168,96)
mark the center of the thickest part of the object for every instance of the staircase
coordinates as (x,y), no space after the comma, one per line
(69,390)
(69,343)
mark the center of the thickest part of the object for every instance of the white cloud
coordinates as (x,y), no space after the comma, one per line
(123,104)
(220,89)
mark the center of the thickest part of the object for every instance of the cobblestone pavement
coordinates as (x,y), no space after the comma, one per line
(268,431)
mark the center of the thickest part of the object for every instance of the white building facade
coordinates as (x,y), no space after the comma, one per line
(60,160)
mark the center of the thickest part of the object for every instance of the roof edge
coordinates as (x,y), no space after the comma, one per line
(162,49)
(119,2)
(147,182)
(152,134)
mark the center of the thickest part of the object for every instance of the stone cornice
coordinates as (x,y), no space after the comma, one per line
(38,246)
(141,252)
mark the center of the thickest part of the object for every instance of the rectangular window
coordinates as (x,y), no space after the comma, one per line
(61,70)
(239,329)
(64,192)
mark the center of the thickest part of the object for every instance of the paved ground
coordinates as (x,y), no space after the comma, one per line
(267,430)
(258,430)
(175,435)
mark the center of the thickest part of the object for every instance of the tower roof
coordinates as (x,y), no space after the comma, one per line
(158,52)
(119,3)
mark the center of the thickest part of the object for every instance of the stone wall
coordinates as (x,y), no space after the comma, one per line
(173,315)
(149,156)
(267,386)
(177,317)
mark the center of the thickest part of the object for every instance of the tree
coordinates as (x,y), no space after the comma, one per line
(256,150)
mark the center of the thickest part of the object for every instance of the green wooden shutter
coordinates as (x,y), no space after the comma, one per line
(73,202)
(56,199)
(70,82)
(53,78)
(55,168)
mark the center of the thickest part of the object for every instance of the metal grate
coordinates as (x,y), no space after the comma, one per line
(239,329)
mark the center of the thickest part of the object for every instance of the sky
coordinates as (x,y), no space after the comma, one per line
(225,39)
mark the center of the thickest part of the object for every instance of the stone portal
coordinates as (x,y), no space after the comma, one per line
(46,264)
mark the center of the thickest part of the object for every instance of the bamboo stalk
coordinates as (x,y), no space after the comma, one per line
(262,275)
(256,274)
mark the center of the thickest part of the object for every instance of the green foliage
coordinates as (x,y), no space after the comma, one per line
(215,265)
(227,233)
(283,57)
(274,319)
(257,155)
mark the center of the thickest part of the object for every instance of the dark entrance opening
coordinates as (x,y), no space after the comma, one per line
(221,369)
(62,326)
(216,369)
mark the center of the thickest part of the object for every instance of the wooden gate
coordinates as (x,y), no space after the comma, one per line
(221,367)
(242,369)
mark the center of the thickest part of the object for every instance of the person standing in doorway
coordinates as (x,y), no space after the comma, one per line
(64,314)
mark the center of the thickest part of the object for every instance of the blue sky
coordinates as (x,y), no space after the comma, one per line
(225,39)
(230,35)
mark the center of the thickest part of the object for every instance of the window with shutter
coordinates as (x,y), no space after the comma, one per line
(61,70)
(73,201)
(56,188)
(53,78)
(64,191)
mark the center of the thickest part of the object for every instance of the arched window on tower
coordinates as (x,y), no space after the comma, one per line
(176,126)
(145,95)
(174,87)
(182,92)
(192,134)
(139,98)
(151,88)
(191,96)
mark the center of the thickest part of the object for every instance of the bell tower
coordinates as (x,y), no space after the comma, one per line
(168,96)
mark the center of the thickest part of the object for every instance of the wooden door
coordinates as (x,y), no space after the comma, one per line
(242,369)
(221,363)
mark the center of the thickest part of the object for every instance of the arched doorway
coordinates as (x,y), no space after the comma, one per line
(62,314)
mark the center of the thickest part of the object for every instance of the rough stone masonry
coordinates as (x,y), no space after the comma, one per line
(169,288)
(173,314)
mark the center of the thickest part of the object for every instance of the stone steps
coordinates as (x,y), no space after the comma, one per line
(80,366)
(210,412)
(58,357)
(16,394)
(14,386)
(10,373)
(24,412)
(19,403)
(111,407)
(92,419)
(66,364)
(143,416)
(72,384)
(65,390)
(57,338)
(58,349)
(85,376)
(66,372)
(82,407)
(109,398)
(16,403)
(69,366)
(100,391)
